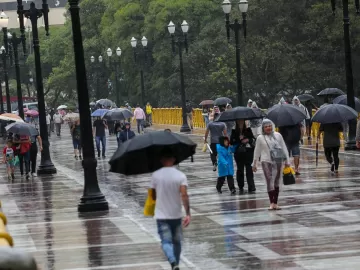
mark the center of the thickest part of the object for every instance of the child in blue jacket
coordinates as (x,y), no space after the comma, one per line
(225,164)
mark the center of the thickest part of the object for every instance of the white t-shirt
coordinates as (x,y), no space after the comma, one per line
(48,119)
(57,118)
(167,181)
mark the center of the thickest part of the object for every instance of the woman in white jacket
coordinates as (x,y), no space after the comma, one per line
(269,140)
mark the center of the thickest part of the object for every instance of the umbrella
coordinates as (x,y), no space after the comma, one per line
(286,115)
(62,107)
(118,114)
(105,102)
(32,113)
(99,112)
(236,113)
(23,129)
(331,92)
(92,103)
(334,113)
(305,97)
(222,101)
(343,100)
(71,117)
(146,151)
(206,102)
(11,117)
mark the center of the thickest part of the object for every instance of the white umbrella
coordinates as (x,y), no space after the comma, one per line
(62,107)
(6,118)
(71,117)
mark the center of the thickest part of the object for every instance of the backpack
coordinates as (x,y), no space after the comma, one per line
(25,147)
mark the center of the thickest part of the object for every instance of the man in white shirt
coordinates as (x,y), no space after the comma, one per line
(48,120)
(58,121)
(169,187)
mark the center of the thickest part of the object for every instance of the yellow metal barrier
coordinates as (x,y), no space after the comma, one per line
(5,238)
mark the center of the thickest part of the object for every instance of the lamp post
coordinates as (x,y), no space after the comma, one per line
(117,63)
(96,67)
(351,143)
(141,59)
(4,21)
(46,166)
(1,101)
(92,199)
(236,27)
(181,41)
(22,21)
(15,41)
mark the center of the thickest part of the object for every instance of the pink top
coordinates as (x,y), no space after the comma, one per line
(139,114)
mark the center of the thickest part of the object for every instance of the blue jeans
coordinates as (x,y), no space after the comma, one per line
(170,232)
(206,120)
(101,139)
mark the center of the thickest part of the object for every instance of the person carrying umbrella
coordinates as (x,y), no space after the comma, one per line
(58,120)
(205,114)
(296,102)
(76,137)
(9,159)
(230,124)
(249,103)
(127,133)
(99,127)
(23,143)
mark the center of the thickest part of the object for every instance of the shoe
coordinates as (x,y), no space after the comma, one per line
(252,191)
(302,141)
(332,169)
(27,176)
(309,138)
(9,177)
(103,156)
(241,191)
(214,167)
(12,176)
(98,155)
(297,173)
(219,191)
(233,192)
(80,157)
(76,157)
(174,266)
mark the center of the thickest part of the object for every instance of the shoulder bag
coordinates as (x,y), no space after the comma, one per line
(277,154)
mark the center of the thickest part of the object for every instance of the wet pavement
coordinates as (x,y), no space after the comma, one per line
(318,227)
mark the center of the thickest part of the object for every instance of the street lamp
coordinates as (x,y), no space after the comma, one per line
(236,27)
(46,166)
(117,64)
(92,199)
(96,69)
(22,22)
(351,143)
(141,59)
(181,40)
(4,21)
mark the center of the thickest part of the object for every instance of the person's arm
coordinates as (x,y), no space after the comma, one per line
(105,125)
(185,200)
(4,155)
(357,138)
(257,152)
(40,142)
(206,135)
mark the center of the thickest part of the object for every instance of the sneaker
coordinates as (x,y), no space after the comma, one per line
(80,157)
(76,157)
(302,141)
(9,177)
(309,138)
(241,191)
(297,173)
(27,176)
(233,192)
(332,169)
(13,176)
(219,191)
(104,156)
(252,191)
(214,167)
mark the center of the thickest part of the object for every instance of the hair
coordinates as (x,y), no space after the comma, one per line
(237,126)
(138,105)
(167,153)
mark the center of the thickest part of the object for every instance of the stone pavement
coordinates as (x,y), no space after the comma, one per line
(317,229)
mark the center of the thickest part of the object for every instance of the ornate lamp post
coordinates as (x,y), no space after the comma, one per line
(93,199)
(46,166)
(97,68)
(4,21)
(117,63)
(1,100)
(236,27)
(351,143)
(22,22)
(181,41)
(141,59)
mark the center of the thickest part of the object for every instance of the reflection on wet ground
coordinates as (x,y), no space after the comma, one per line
(318,227)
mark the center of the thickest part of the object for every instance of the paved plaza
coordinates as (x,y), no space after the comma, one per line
(318,227)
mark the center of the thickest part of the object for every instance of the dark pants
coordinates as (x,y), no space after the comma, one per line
(213,156)
(33,156)
(24,158)
(230,182)
(58,128)
(243,162)
(140,125)
(332,155)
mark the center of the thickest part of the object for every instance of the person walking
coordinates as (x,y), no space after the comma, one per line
(225,165)
(9,159)
(230,124)
(309,106)
(169,188)
(23,148)
(331,144)
(216,130)
(205,114)
(149,112)
(48,122)
(255,124)
(244,141)
(130,109)
(189,114)
(34,151)
(268,146)
(99,127)
(76,137)
(127,133)
(140,117)
(291,136)
(52,124)
(58,120)
(296,102)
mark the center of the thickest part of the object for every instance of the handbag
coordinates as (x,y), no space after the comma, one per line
(149,208)
(277,154)
(288,179)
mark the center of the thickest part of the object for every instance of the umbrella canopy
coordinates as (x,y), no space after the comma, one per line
(105,102)
(71,117)
(118,114)
(23,129)
(334,113)
(331,92)
(222,101)
(61,107)
(92,103)
(207,102)
(305,97)
(32,113)
(142,154)
(237,113)
(343,100)
(11,117)
(99,112)
(286,115)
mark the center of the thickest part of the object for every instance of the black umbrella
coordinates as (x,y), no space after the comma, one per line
(105,102)
(334,113)
(343,100)
(118,114)
(305,97)
(222,101)
(286,115)
(207,102)
(23,129)
(331,92)
(237,113)
(142,154)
